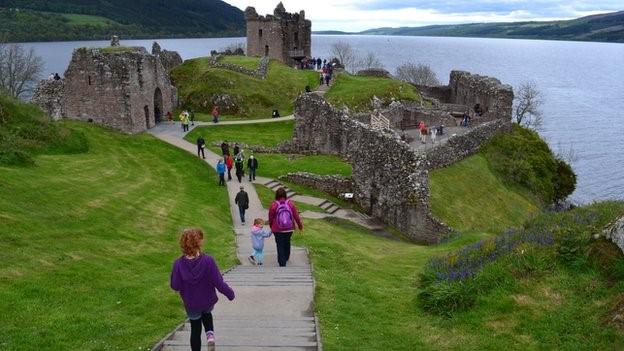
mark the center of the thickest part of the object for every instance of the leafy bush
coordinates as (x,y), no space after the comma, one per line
(523,159)
(26,131)
(453,282)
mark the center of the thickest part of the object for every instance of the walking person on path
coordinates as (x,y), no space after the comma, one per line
(236,149)
(184,118)
(215,114)
(258,234)
(242,200)
(192,117)
(196,277)
(283,217)
(229,163)
(240,172)
(225,147)
(252,165)
(221,172)
(201,144)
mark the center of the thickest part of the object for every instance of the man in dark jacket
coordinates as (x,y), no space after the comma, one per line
(201,144)
(225,148)
(242,200)
(252,165)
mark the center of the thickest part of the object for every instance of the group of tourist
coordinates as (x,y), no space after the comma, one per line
(186,118)
(196,276)
(313,63)
(327,72)
(228,162)
(432,131)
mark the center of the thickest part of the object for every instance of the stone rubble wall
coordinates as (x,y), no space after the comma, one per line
(49,95)
(495,98)
(390,179)
(259,73)
(441,93)
(169,59)
(407,115)
(615,233)
(459,147)
(331,184)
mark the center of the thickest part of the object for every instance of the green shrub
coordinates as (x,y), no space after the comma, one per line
(523,159)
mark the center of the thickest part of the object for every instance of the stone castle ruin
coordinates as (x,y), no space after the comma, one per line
(283,36)
(390,175)
(125,88)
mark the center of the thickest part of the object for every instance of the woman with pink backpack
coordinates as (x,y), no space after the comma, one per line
(283,218)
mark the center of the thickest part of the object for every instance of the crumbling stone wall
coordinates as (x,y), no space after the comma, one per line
(406,115)
(390,179)
(459,147)
(122,88)
(283,36)
(169,59)
(332,184)
(495,98)
(260,72)
(48,95)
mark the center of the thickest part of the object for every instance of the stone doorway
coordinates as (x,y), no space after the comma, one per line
(147,116)
(266,50)
(158,106)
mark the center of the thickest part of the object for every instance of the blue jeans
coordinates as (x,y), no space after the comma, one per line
(241,211)
(259,255)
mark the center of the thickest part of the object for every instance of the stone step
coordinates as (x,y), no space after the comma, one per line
(270,182)
(275,186)
(333,209)
(270,335)
(290,193)
(253,341)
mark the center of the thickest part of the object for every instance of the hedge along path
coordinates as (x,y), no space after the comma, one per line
(274,306)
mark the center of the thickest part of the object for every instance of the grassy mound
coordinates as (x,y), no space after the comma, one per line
(87,242)
(25,131)
(357,92)
(198,83)
(470,197)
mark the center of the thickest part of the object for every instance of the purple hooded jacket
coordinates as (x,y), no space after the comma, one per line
(196,281)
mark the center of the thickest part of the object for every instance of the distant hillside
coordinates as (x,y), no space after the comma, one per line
(35,20)
(607,27)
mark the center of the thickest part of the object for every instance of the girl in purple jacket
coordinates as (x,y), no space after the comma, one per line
(196,276)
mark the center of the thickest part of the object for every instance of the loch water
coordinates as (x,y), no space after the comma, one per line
(582,82)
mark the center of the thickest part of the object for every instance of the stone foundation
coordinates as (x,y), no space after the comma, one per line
(331,184)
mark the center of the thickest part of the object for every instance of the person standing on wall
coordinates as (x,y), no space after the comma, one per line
(242,200)
(283,218)
(201,144)
(252,165)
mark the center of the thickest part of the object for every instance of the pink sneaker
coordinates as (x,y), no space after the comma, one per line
(211,337)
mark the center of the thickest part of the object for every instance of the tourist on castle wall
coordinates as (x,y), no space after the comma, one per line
(216,112)
(196,277)
(242,200)
(229,163)
(201,144)
(252,166)
(225,147)
(283,220)
(221,172)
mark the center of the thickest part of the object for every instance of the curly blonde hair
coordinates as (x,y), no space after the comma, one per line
(190,241)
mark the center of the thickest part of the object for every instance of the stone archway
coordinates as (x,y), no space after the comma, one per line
(147,116)
(158,106)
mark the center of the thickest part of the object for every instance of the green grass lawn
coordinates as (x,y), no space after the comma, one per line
(263,134)
(366,289)
(251,63)
(81,20)
(357,92)
(470,197)
(87,242)
(197,83)
(275,165)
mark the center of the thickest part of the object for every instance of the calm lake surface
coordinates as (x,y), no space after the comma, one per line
(583,84)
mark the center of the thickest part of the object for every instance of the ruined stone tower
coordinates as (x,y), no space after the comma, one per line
(125,88)
(283,36)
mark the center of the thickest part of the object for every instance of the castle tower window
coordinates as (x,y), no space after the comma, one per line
(89,80)
(260,33)
(297,38)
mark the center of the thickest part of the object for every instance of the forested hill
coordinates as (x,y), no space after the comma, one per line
(36,20)
(608,27)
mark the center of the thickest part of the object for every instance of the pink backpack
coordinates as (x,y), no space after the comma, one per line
(284,217)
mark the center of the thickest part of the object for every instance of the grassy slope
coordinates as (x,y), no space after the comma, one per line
(470,197)
(357,92)
(197,83)
(248,62)
(87,242)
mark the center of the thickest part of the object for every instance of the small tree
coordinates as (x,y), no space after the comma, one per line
(344,52)
(527,106)
(19,69)
(369,61)
(419,74)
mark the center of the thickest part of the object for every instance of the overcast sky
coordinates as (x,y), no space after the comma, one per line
(357,15)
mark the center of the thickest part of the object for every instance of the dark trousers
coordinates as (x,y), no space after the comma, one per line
(252,174)
(241,211)
(185,127)
(239,175)
(229,174)
(200,149)
(196,330)
(282,242)
(222,179)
